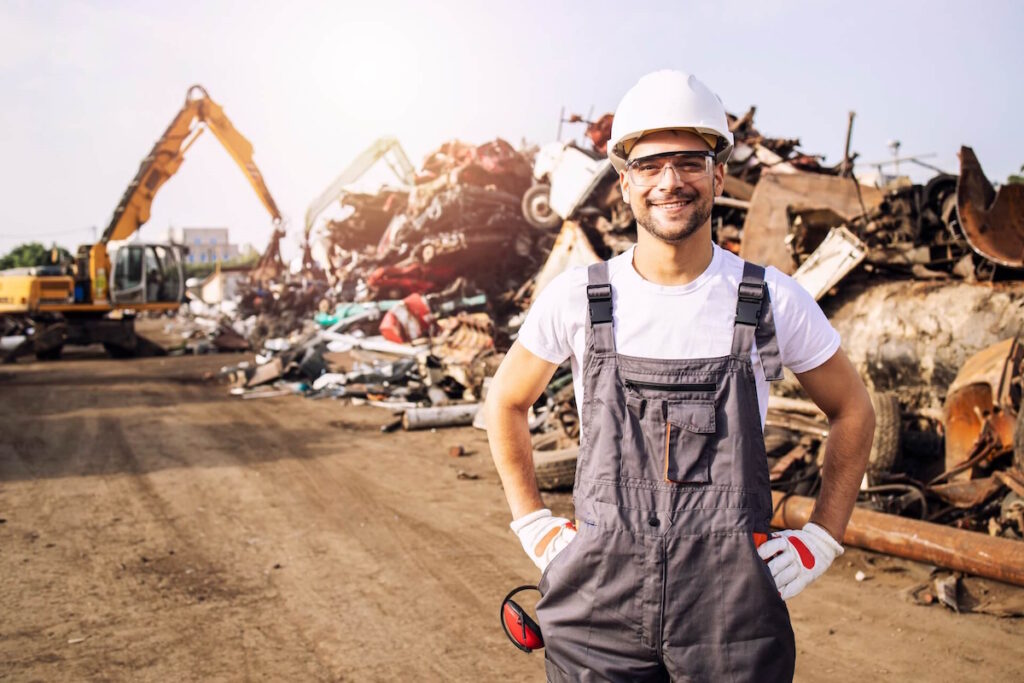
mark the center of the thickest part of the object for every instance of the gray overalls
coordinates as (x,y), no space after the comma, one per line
(663,580)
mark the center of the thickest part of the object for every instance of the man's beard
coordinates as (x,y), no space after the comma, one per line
(699,215)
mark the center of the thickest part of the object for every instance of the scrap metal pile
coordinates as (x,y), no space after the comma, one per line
(946,384)
(943,260)
(417,277)
(460,219)
(426,280)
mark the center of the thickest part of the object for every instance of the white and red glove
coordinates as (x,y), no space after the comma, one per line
(543,536)
(796,558)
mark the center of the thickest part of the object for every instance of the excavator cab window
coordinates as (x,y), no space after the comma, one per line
(154,276)
(147,273)
(129,275)
(163,275)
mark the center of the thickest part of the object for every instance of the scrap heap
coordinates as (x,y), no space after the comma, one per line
(428,279)
(945,261)
(420,272)
(461,218)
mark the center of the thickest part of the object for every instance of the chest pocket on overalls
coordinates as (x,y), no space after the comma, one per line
(689,426)
(678,428)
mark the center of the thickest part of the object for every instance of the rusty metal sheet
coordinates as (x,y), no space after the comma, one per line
(834,259)
(1013,479)
(980,391)
(739,189)
(967,494)
(767,221)
(985,367)
(992,221)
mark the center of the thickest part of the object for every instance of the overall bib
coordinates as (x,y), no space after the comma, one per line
(663,580)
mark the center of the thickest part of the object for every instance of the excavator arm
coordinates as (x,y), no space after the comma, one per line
(385,148)
(152,275)
(167,155)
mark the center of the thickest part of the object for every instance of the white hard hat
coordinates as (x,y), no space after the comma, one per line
(669,100)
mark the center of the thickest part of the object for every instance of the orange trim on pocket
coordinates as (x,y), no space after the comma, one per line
(668,446)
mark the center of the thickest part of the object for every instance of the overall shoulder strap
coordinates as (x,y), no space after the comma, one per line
(755,322)
(599,308)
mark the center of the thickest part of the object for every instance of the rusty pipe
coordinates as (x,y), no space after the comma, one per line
(966,551)
(732,203)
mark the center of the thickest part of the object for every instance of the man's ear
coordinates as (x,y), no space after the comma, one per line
(719,179)
(624,186)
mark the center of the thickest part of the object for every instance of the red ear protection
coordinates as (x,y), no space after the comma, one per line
(520,628)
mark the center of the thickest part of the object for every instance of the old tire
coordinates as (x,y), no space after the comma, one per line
(537,208)
(886,446)
(556,470)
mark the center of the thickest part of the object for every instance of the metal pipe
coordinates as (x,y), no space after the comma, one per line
(732,203)
(966,551)
(795,405)
(847,167)
(440,416)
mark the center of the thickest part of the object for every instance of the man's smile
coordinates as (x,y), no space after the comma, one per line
(672,204)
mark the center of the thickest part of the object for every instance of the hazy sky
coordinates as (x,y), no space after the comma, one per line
(88,87)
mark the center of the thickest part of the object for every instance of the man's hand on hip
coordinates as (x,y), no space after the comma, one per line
(543,536)
(796,558)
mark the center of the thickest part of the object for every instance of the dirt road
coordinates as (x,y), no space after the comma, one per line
(155,528)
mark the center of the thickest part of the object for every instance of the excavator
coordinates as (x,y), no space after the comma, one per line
(96,299)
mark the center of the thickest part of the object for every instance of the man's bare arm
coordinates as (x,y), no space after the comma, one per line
(519,382)
(838,390)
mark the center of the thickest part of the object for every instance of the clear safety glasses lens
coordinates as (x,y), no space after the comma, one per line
(688,167)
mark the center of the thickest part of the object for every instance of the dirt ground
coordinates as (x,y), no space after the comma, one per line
(154,528)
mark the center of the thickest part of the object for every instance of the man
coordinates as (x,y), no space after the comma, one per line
(672,345)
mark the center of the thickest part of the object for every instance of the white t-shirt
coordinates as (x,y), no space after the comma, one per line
(694,320)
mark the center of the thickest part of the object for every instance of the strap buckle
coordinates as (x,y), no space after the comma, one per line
(600,301)
(749,304)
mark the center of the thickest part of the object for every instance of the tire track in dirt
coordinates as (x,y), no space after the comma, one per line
(329,503)
(220,488)
(111,454)
(445,563)
(252,508)
(338,494)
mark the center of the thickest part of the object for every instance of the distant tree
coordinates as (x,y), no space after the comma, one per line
(250,259)
(201,270)
(1017,178)
(34,254)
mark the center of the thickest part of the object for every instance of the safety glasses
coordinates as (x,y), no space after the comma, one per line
(688,167)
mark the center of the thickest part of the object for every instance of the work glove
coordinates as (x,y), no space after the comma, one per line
(796,558)
(543,536)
